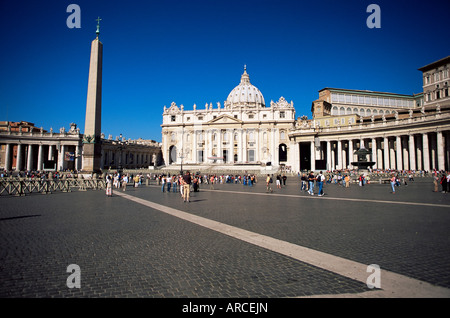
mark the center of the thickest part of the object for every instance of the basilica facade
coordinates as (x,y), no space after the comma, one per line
(243,132)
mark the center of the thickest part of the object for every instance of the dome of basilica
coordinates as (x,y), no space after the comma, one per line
(245,94)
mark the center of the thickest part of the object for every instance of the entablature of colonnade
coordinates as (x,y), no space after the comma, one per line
(37,138)
(404,126)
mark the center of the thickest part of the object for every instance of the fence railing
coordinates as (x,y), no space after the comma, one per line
(22,186)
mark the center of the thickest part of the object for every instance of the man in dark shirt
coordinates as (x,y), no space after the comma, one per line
(187,186)
(311,179)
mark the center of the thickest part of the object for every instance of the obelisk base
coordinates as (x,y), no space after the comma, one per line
(92,156)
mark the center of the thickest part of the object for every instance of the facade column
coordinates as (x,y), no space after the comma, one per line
(272,137)
(386,153)
(296,156)
(277,142)
(231,146)
(412,153)
(40,162)
(399,153)
(440,151)
(257,157)
(313,156)
(194,147)
(244,144)
(219,144)
(8,159)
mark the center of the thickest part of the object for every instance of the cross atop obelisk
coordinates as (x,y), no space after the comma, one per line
(98,26)
(93,124)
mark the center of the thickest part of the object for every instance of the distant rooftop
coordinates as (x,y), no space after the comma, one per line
(443,61)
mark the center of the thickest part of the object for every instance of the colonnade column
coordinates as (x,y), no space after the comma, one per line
(41,158)
(350,153)
(399,153)
(313,156)
(329,155)
(426,152)
(339,154)
(374,153)
(412,153)
(19,157)
(8,159)
(440,151)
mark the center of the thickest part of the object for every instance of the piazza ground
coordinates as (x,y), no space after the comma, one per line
(145,243)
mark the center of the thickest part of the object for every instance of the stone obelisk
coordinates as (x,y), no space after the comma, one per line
(92,151)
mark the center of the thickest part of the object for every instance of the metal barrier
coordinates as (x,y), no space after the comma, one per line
(21,187)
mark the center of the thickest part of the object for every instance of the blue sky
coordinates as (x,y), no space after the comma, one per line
(157,52)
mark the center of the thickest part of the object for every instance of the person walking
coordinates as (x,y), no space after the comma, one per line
(269,180)
(163,183)
(311,179)
(320,179)
(278,181)
(444,183)
(393,182)
(303,179)
(436,183)
(187,186)
(124,182)
(109,185)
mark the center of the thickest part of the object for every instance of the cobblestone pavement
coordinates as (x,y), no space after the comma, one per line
(126,249)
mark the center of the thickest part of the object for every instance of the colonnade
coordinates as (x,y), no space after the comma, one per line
(114,157)
(39,156)
(413,151)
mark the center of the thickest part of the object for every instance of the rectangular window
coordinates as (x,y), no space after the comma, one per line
(282,115)
(172,118)
(251,155)
(334,97)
